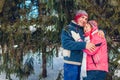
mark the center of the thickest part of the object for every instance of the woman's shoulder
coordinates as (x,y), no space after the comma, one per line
(97,37)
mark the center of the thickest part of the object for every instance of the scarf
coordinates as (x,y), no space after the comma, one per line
(83,72)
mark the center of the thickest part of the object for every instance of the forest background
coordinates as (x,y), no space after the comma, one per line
(36,25)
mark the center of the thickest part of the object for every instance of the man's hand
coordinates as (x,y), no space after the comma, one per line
(90,46)
(101,34)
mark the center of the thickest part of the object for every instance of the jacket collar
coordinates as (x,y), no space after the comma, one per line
(73,23)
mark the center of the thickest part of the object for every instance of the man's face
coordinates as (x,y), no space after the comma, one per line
(82,20)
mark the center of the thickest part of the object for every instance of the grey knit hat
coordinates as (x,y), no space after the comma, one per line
(81,12)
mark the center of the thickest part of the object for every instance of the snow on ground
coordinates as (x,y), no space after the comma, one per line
(117,73)
(52,71)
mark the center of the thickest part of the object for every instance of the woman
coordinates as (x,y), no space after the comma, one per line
(97,60)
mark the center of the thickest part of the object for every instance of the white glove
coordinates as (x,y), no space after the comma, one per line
(75,35)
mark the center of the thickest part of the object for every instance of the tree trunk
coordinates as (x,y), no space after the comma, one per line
(1,5)
(44,70)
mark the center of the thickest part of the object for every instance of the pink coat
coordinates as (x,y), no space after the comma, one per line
(98,60)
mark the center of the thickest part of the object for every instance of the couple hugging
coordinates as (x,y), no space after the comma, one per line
(84,49)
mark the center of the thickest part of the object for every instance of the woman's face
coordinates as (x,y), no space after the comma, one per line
(87,28)
(82,20)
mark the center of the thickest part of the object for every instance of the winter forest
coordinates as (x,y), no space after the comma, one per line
(30,30)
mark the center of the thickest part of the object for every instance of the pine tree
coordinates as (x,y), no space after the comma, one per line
(53,16)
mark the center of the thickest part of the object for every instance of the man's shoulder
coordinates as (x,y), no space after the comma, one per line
(68,28)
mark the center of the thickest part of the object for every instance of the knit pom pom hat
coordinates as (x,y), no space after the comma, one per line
(94,25)
(94,28)
(79,14)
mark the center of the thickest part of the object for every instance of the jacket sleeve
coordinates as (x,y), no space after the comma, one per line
(69,43)
(93,52)
(100,40)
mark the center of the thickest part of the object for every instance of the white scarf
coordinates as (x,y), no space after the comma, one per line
(83,72)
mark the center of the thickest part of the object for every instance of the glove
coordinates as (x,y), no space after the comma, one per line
(75,35)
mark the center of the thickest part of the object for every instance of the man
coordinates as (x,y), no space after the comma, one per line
(72,52)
